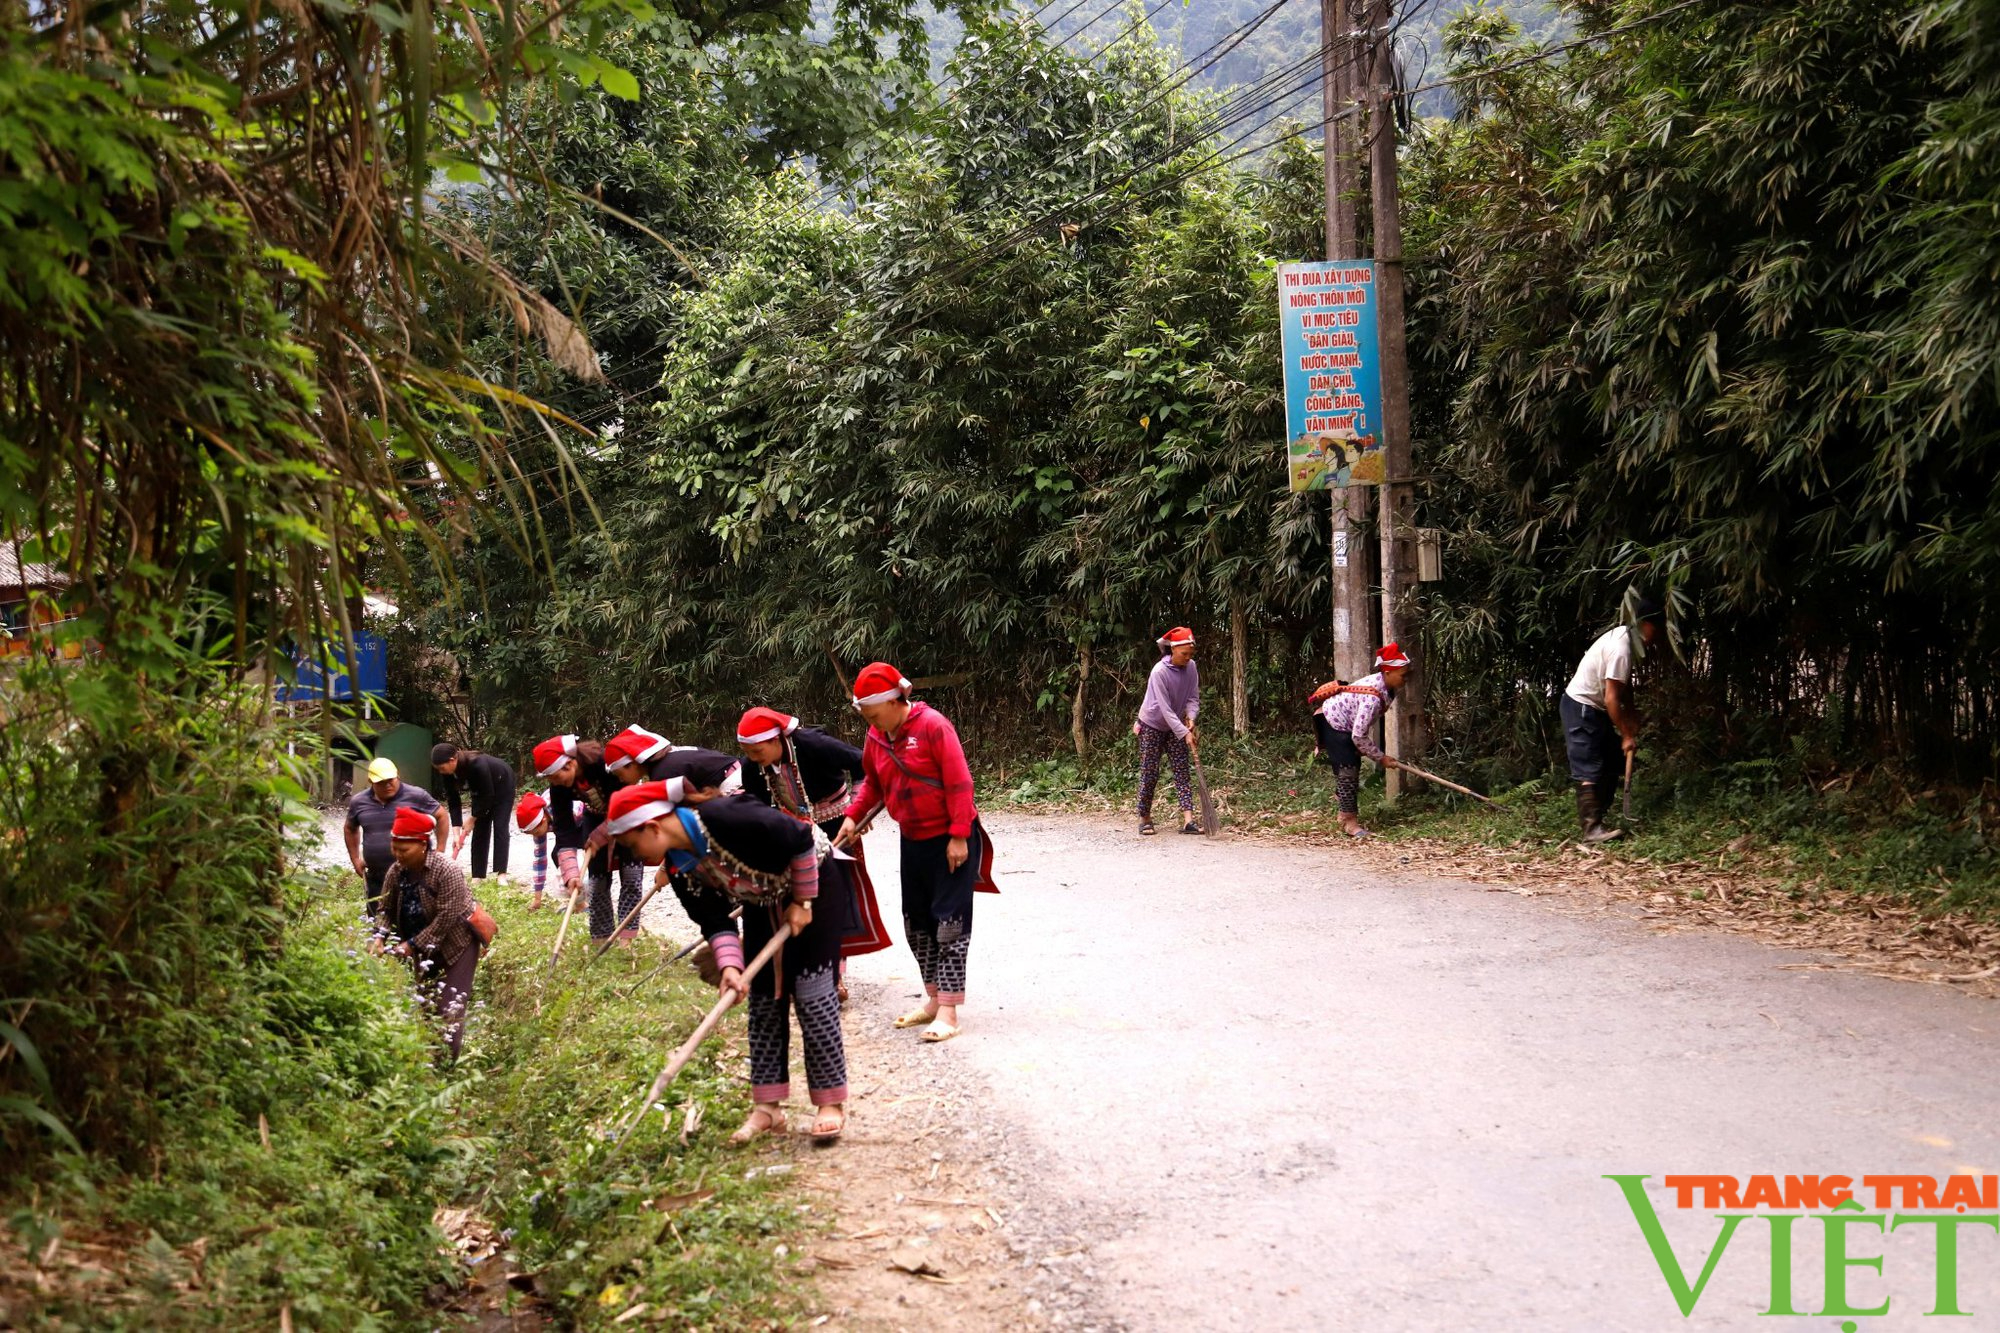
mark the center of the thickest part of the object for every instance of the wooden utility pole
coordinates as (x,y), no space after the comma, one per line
(1353,616)
(1396,518)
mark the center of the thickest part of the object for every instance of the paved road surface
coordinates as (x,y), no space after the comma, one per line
(1278,1088)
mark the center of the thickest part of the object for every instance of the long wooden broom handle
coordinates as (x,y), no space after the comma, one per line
(707,1025)
(1409,767)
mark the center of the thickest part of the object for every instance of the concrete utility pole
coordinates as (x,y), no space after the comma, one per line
(1398,498)
(1353,616)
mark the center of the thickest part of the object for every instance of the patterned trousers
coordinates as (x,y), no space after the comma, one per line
(1152,744)
(811,969)
(1345,761)
(937,913)
(631,887)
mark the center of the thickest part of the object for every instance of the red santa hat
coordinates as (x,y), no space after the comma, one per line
(413,824)
(1389,655)
(878,683)
(635,744)
(530,810)
(634,805)
(1175,637)
(764,724)
(553,753)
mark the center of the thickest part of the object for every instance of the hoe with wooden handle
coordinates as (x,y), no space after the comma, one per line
(707,1025)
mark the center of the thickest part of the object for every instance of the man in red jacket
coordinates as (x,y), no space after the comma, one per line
(913,764)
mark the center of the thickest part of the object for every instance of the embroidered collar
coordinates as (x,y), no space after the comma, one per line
(697,835)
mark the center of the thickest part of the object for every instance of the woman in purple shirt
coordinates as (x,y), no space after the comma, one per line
(1166,726)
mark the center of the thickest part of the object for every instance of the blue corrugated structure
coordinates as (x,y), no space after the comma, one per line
(370,665)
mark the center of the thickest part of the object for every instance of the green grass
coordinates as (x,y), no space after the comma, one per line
(579,1207)
(368,1139)
(1857,832)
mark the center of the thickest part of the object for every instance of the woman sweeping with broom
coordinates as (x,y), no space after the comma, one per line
(1345,724)
(737,850)
(1166,726)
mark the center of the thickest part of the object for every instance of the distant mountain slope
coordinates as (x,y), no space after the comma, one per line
(1281,42)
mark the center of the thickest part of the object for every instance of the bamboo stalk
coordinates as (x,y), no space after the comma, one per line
(707,1025)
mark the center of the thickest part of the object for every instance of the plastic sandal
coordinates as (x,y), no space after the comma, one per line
(916,1018)
(940,1031)
(820,1135)
(762,1120)
(1146,829)
(1191,827)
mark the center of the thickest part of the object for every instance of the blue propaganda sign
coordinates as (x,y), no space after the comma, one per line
(1333,375)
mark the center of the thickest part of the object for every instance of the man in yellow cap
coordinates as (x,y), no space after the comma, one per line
(371,813)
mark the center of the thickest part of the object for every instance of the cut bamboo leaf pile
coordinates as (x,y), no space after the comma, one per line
(1872,933)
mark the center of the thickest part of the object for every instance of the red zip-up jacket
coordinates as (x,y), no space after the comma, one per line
(927,745)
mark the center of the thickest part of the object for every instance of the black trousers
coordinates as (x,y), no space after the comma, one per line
(489,832)
(937,913)
(1596,754)
(604,915)
(375,878)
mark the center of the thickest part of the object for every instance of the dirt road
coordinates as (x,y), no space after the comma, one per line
(1248,1085)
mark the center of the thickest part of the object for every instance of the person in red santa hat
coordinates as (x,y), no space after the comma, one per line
(1165,726)
(531,816)
(424,908)
(1345,726)
(692,774)
(638,755)
(809,775)
(579,794)
(914,766)
(734,850)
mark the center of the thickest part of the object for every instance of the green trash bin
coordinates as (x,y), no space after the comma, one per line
(410,747)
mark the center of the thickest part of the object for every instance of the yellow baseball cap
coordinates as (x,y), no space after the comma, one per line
(381,769)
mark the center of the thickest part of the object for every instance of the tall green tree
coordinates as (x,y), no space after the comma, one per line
(1701,304)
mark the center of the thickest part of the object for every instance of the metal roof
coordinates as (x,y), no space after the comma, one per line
(15,573)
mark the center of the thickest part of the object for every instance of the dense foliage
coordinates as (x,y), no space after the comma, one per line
(996,421)
(1702,306)
(247,365)
(1715,310)
(229,394)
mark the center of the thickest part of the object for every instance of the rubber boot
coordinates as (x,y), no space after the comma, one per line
(1590,814)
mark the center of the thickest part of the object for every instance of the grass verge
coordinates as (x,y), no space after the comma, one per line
(304,1189)
(1867,832)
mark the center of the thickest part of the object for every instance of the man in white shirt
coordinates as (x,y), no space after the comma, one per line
(1600,719)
